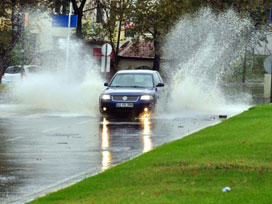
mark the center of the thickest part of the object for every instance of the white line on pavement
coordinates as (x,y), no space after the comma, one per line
(83,122)
(16,138)
(49,130)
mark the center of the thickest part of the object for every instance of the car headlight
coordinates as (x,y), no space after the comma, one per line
(146,97)
(105,97)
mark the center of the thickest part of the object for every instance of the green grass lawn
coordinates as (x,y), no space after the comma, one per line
(2,86)
(235,153)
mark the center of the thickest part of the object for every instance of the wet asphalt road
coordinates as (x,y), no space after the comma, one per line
(41,152)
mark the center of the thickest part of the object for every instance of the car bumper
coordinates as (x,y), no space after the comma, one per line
(112,107)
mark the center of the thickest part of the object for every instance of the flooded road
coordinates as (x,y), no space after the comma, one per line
(41,151)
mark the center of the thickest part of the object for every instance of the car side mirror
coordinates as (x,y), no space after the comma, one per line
(106,84)
(160,85)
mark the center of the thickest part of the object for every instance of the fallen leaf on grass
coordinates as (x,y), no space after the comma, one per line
(194,172)
(209,164)
(233,181)
(183,164)
(244,181)
(156,193)
(261,172)
(243,142)
(193,183)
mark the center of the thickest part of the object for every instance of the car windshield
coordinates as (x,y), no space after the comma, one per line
(13,70)
(133,80)
(33,69)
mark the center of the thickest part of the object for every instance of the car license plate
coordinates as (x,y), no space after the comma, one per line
(124,105)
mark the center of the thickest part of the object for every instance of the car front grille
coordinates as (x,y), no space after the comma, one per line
(125,98)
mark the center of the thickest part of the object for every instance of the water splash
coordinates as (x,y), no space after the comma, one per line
(74,89)
(201,51)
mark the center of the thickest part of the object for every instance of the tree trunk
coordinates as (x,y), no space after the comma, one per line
(79,25)
(79,13)
(116,57)
(157,57)
(64,6)
(13,4)
(244,66)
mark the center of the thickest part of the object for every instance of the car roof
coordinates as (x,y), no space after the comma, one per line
(25,66)
(137,71)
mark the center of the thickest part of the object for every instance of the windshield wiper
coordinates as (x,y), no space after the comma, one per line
(139,87)
(131,86)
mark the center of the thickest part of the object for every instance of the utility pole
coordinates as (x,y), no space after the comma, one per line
(244,66)
(22,31)
(119,33)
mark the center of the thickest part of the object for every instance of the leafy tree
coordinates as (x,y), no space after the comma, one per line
(10,33)
(153,19)
(91,31)
(257,10)
(79,7)
(112,16)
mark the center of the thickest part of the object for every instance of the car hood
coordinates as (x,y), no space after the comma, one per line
(128,91)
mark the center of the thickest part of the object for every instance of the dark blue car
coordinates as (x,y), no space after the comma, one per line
(131,91)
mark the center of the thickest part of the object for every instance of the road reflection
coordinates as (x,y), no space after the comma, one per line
(105,144)
(146,130)
(123,135)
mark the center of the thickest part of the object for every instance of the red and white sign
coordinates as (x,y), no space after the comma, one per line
(129,25)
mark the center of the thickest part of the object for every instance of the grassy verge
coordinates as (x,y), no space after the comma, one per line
(2,86)
(236,153)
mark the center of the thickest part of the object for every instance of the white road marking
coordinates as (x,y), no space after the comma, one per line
(13,139)
(7,115)
(37,115)
(49,130)
(83,122)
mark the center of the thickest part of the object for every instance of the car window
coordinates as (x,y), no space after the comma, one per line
(13,70)
(160,77)
(133,80)
(33,69)
(157,78)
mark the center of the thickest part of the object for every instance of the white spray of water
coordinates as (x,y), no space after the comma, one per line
(200,51)
(74,90)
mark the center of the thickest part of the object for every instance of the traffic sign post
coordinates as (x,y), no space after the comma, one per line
(106,51)
(268,68)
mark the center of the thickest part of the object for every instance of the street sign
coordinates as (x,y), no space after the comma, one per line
(105,63)
(268,64)
(106,49)
(63,21)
